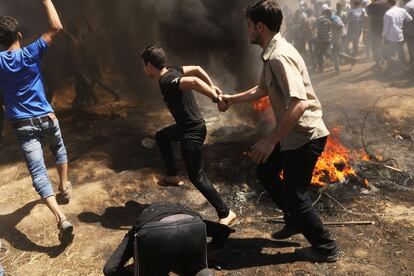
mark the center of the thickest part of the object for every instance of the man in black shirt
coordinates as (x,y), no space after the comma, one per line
(176,84)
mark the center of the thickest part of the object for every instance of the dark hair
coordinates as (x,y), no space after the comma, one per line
(9,29)
(267,12)
(155,55)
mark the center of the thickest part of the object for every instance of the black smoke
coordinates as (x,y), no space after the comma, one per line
(210,33)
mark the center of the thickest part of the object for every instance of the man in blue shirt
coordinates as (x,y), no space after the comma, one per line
(31,115)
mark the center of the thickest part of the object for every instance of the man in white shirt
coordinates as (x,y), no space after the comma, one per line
(409,29)
(393,35)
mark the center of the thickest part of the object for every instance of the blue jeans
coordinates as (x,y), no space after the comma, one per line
(31,139)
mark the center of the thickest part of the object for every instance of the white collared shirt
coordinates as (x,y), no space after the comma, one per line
(394,20)
(286,77)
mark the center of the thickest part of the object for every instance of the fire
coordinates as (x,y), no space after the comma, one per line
(262,104)
(334,164)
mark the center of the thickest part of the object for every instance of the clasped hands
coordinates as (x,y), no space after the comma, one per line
(224,102)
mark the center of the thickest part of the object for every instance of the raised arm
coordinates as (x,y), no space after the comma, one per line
(197,71)
(199,85)
(55,26)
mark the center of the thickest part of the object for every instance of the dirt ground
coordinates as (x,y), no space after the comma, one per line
(109,167)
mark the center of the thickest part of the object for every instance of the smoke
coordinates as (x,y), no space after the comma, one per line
(210,33)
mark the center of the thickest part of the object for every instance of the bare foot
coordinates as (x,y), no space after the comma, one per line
(171,181)
(229,219)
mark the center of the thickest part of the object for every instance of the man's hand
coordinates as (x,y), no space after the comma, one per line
(218,90)
(227,99)
(222,105)
(262,150)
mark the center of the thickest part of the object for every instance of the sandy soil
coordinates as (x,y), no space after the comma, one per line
(109,167)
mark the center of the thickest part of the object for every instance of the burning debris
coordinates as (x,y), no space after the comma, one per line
(335,163)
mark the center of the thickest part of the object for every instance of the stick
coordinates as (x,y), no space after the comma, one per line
(384,165)
(332,223)
(392,168)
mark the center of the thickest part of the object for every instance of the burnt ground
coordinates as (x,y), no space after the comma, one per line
(109,167)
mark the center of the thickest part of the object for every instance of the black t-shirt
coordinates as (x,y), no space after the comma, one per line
(376,11)
(182,104)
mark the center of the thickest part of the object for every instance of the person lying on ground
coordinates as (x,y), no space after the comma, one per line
(167,237)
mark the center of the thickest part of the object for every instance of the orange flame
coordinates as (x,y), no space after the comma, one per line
(333,166)
(262,104)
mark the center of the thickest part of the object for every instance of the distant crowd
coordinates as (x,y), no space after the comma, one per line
(385,29)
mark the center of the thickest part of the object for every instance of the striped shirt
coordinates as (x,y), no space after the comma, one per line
(324,29)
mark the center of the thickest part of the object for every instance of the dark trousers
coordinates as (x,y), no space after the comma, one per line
(353,38)
(393,53)
(410,45)
(161,247)
(321,51)
(291,193)
(376,41)
(336,52)
(191,140)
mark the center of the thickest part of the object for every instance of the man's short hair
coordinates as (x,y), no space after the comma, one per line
(9,29)
(267,12)
(155,55)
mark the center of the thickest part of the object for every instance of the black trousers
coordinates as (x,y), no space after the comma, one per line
(291,193)
(376,41)
(162,246)
(191,140)
(410,45)
(321,51)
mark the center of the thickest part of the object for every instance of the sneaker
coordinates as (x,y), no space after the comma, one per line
(65,231)
(285,233)
(313,255)
(65,195)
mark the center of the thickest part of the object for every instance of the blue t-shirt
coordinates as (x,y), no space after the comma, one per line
(21,82)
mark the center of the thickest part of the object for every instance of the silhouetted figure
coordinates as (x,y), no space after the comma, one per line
(376,11)
(86,68)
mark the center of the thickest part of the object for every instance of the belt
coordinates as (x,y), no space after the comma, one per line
(31,121)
